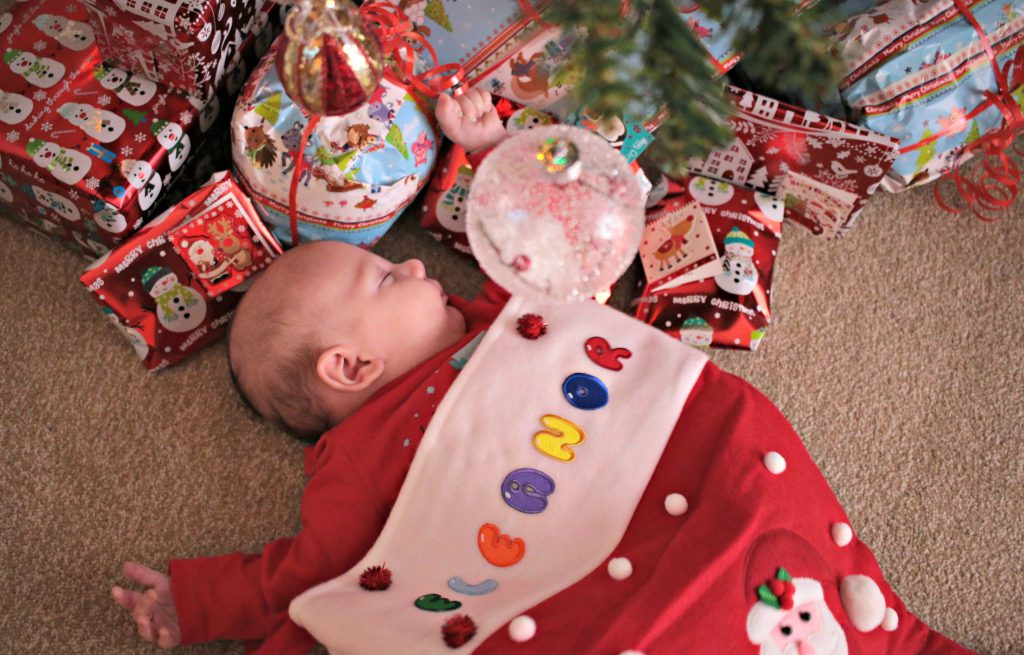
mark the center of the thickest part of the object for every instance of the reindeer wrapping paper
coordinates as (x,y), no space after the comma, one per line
(172,287)
(356,173)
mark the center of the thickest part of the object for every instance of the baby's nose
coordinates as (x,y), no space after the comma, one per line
(414,268)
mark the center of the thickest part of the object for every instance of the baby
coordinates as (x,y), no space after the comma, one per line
(323,331)
(664,506)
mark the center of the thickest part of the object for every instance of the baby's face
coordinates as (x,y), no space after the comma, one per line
(393,311)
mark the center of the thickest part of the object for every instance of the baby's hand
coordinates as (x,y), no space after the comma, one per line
(470,120)
(153,610)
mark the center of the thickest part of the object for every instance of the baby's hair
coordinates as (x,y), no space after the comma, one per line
(287,387)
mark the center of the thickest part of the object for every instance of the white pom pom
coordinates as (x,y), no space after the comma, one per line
(620,568)
(631,652)
(863,602)
(522,628)
(842,534)
(676,505)
(774,462)
(891,620)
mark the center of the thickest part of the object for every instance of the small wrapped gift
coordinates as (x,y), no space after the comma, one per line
(89,149)
(188,47)
(708,253)
(921,72)
(173,285)
(822,168)
(348,178)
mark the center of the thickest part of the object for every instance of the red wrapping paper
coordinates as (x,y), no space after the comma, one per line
(189,47)
(88,149)
(708,252)
(823,169)
(172,287)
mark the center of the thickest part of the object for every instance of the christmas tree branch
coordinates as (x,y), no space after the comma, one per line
(633,64)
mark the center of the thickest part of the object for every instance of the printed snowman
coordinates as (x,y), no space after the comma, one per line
(68,166)
(92,244)
(738,274)
(526,119)
(710,193)
(771,211)
(5,21)
(39,71)
(72,34)
(170,136)
(179,308)
(451,206)
(791,616)
(131,88)
(696,332)
(102,125)
(107,217)
(14,107)
(207,113)
(6,195)
(55,202)
(141,176)
(134,337)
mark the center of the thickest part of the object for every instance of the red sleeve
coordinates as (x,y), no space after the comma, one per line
(476,158)
(246,597)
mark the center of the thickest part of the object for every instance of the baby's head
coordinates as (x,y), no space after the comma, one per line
(327,325)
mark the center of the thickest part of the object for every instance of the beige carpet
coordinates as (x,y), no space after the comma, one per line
(896,353)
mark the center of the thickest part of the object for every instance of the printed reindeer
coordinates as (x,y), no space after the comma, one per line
(260,146)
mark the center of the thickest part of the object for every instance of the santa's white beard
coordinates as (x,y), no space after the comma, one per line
(830,640)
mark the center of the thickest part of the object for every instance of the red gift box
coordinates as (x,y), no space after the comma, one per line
(88,149)
(188,47)
(823,169)
(172,286)
(708,252)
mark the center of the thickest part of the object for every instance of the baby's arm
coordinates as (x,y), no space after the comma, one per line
(470,120)
(153,610)
(246,596)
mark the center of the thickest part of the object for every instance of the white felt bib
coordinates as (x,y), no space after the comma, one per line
(524,482)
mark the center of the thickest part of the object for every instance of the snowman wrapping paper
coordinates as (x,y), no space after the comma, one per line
(189,46)
(88,149)
(708,252)
(171,288)
(352,177)
(822,168)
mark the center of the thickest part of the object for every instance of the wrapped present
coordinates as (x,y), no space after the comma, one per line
(89,149)
(344,177)
(823,168)
(708,252)
(188,47)
(920,72)
(506,47)
(172,286)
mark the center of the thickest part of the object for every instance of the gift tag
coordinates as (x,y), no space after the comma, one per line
(821,207)
(224,244)
(677,241)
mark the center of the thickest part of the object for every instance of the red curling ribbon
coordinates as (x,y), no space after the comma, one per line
(998,184)
(300,164)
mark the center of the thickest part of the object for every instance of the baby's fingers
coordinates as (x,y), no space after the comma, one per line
(143,615)
(143,574)
(125,598)
(164,639)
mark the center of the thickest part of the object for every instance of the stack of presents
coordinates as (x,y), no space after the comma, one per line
(111,112)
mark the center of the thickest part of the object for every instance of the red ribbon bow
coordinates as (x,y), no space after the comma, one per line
(998,184)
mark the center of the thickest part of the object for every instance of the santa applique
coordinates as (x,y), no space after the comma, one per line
(790,617)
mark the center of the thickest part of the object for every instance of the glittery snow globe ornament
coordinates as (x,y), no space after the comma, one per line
(328,62)
(555,214)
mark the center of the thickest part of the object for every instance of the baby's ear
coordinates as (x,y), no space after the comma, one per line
(342,368)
